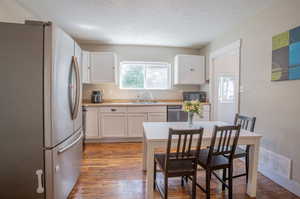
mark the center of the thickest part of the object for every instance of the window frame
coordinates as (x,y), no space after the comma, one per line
(169,67)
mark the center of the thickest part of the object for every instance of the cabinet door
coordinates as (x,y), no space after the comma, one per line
(91,123)
(135,124)
(157,117)
(189,69)
(102,67)
(205,115)
(85,66)
(113,124)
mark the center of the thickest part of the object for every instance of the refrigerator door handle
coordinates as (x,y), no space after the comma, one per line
(40,188)
(70,145)
(77,93)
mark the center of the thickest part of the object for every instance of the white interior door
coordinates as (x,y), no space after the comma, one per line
(225,85)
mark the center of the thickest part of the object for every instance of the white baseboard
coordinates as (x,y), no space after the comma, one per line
(113,140)
(288,184)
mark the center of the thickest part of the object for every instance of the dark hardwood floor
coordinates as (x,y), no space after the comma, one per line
(114,171)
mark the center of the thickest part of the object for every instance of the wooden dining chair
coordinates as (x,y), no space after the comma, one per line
(247,123)
(219,156)
(179,160)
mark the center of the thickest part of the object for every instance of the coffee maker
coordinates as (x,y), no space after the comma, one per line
(97,96)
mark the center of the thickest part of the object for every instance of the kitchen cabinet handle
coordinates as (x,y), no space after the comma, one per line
(70,145)
(192,69)
(40,188)
(113,109)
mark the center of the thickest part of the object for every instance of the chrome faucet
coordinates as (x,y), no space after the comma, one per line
(144,96)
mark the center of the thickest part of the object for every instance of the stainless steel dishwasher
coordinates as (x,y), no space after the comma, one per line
(176,114)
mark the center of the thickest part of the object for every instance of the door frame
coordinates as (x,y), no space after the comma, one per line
(234,48)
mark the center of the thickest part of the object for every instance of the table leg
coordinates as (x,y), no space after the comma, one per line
(144,153)
(150,171)
(253,164)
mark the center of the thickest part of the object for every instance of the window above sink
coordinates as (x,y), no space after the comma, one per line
(145,75)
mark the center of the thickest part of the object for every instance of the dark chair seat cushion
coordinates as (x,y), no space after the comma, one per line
(175,166)
(217,162)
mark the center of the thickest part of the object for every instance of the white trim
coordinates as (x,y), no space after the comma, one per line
(290,185)
(234,47)
(113,140)
(286,183)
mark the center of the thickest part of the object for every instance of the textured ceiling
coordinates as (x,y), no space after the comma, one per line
(180,23)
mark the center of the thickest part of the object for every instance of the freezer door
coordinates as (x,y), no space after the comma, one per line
(21,115)
(63,167)
(59,88)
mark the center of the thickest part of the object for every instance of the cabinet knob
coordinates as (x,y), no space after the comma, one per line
(113,109)
(192,69)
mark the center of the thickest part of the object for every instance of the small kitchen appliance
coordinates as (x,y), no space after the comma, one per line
(96,97)
(194,95)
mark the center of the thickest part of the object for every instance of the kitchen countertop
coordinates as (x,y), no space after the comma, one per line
(133,103)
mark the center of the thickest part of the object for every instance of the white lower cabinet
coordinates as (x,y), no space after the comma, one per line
(91,123)
(205,114)
(135,124)
(113,124)
(157,117)
(126,121)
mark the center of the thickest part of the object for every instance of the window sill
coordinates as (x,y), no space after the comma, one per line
(146,89)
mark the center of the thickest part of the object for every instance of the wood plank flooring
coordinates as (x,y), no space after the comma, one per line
(114,171)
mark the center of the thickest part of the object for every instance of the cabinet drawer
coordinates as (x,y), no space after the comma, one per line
(113,109)
(147,109)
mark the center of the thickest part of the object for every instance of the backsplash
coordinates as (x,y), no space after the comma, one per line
(112,91)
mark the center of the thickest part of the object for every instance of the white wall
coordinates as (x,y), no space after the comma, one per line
(275,104)
(138,53)
(11,11)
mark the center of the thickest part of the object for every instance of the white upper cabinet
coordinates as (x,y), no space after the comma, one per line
(102,67)
(189,69)
(85,66)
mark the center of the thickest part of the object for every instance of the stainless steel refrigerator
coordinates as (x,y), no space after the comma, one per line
(40,111)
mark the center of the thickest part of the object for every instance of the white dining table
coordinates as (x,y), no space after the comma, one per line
(156,137)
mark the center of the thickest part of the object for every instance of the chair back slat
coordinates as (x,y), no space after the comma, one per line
(224,141)
(184,144)
(190,144)
(178,146)
(247,123)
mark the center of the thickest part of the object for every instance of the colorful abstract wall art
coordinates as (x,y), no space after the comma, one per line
(286,55)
